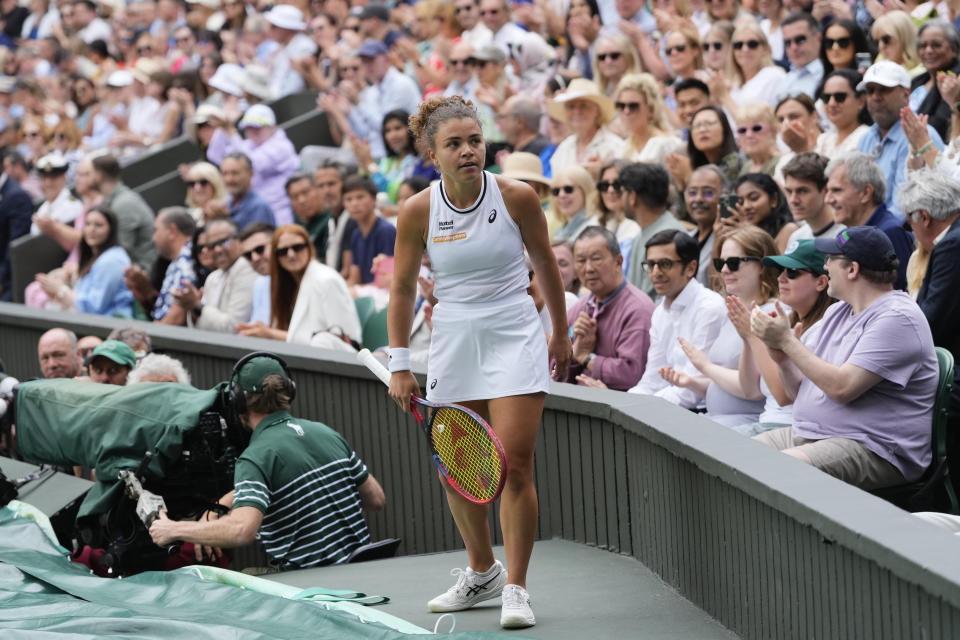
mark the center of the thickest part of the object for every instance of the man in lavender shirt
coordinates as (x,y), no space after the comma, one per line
(611,325)
(865,387)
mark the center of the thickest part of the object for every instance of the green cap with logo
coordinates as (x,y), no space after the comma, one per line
(116,351)
(800,254)
(253,372)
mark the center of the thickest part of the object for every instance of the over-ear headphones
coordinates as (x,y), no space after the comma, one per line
(237,398)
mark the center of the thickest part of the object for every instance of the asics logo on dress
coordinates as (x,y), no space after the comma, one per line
(433,385)
(492,217)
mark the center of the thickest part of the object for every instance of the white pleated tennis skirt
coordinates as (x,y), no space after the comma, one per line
(480,351)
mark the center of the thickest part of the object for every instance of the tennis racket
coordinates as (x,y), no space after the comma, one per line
(463,446)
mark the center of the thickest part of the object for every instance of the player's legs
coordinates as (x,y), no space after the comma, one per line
(516,420)
(471,518)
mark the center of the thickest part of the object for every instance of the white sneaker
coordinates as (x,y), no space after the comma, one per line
(471,588)
(516,612)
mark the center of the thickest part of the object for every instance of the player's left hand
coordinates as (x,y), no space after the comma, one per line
(561,351)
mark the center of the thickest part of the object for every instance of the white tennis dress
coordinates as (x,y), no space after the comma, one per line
(487,341)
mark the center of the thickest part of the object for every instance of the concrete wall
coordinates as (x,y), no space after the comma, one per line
(768,546)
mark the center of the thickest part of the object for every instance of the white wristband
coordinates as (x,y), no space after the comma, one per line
(399,359)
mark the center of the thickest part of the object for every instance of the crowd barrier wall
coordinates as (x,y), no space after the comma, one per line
(765,544)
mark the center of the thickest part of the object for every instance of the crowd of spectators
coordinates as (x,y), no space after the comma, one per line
(753,204)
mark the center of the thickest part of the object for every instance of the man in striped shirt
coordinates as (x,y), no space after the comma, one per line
(298,483)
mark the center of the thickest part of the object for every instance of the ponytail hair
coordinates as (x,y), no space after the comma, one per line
(434,112)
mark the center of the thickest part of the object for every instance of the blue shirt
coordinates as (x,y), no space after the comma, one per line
(252,208)
(365,248)
(806,79)
(902,240)
(178,271)
(261,301)
(102,290)
(891,153)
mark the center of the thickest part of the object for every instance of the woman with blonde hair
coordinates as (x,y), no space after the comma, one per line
(643,114)
(607,202)
(684,52)
(32,138)
(568,214)
(309,301)
(896,36)
(205,191)
(757,137)
(755,77)
(744,280)
(614,57)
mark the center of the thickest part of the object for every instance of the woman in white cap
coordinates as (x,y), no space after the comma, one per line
(587,112)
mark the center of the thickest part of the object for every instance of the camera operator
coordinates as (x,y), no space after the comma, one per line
(299,483)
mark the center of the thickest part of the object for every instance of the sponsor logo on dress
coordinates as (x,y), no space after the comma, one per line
(451,238)
(446,225)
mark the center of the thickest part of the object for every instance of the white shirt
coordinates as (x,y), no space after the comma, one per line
(98,29)
(760,88)
(324,309)
(227,298)
(64,209)
(284,79)
(478,36)
(697,315)
(827,142)
(605,145)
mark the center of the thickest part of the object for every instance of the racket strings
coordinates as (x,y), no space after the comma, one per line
(473,459)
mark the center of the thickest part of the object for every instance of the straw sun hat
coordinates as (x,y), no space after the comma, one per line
(521,165)
(581,89)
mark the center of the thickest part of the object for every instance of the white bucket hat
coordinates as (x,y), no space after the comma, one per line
(286,16)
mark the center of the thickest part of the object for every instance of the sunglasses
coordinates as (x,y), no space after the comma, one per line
(258,251)
(464,9)
(757,128)
(567,189)
(839,97)
(603,186)
(793,274)
(885,40)
(716,46)
(629,107)
(753,45)
(798,41)
(202,182)
(733,263)
(490,12)
(843,43)
(222,242)
(31,134)
(295,248)
(615,55)
(467,62)
(665,264)
(680,48)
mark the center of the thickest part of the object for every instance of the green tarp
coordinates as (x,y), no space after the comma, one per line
(110,428)
(43,594)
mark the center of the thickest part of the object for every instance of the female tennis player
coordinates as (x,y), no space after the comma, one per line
(487,350)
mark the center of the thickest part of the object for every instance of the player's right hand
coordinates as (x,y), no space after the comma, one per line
(403,384)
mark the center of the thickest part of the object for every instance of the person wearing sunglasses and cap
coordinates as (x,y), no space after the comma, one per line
(864,385)
(802,280)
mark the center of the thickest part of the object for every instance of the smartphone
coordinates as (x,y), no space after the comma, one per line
(727,205)
(863,62)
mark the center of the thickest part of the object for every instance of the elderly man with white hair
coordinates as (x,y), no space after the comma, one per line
(156,367)
(856,190)
(932,204)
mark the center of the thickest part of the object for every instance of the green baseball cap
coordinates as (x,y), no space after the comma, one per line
(800,254)
(116,351)
(253,372)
